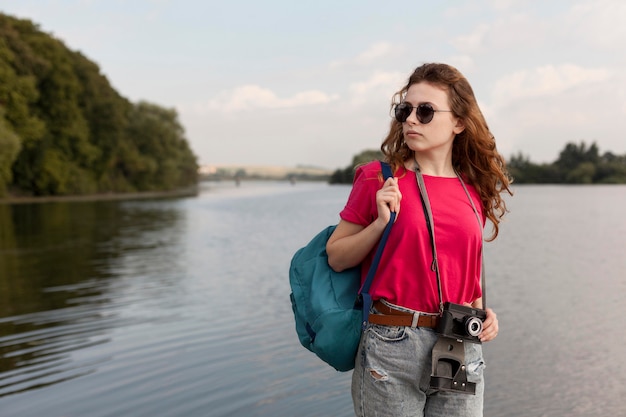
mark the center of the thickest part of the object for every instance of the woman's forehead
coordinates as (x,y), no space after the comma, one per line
(424,92)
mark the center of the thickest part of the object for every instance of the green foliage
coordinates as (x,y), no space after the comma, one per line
(574,155)
(346,175)
(163,156)
(65,130)
(577,164)
(524,171)
(10,146)
(611,169)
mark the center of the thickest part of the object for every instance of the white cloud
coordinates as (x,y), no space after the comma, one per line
(472,41)
(598,23)
(510,32)
(377,52)
(588,23)
(503,5)
(253,96)
(544,81)
(463,63)
(385,83)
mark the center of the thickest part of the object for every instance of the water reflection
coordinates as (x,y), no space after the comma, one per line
(180,308)
(64,271)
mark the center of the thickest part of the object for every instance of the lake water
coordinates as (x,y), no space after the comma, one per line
(181,307)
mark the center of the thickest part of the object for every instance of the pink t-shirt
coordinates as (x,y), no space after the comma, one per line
(404,275)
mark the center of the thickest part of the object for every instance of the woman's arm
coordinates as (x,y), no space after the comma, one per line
(350,243)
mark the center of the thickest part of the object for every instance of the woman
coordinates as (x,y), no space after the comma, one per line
(439,131)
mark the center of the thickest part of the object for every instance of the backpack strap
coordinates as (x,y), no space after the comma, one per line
(364,300)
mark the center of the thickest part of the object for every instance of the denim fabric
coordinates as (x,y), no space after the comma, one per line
(392,376)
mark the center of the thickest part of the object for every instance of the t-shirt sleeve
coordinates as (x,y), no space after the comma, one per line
(361,206)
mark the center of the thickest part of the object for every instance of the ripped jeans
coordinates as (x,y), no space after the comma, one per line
(392,376)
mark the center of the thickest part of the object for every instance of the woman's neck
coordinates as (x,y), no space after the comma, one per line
(437,167)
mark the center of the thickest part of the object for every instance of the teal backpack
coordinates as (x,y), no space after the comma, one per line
(330,308)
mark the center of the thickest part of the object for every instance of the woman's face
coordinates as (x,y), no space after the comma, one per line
(435,137)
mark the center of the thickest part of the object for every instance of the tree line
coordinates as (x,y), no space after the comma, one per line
(578,163)
(64,130)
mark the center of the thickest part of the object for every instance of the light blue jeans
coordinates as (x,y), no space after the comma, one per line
(392,376)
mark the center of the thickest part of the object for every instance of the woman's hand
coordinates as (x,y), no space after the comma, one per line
(490,327)
(350,242)
(388,200)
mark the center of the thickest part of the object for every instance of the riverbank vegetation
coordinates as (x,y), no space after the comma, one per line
(65,131)
(578,163)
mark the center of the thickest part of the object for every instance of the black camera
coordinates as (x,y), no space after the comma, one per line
(461,322)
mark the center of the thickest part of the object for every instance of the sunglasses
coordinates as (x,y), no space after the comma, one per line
(424,112)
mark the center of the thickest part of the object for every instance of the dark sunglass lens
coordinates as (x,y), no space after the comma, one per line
(425,113)
(403,111)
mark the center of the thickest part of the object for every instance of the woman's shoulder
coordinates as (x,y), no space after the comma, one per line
(369,169)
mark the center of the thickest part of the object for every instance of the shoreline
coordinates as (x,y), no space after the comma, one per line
(142,195)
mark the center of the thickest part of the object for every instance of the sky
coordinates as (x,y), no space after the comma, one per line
(294,83)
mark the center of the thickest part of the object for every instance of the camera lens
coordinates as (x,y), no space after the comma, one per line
(473,326)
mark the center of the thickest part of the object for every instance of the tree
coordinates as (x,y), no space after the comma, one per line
(519,168)
(107,114)
(611,169)
(575,154)
(76,134)
(10,146)
(159,139)
(346,175)
(582,174)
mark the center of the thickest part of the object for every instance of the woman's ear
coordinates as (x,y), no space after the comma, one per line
(459,126)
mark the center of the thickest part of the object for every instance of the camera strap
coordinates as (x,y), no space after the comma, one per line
(431,231)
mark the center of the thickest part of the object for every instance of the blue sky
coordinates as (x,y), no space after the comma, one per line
(288,83)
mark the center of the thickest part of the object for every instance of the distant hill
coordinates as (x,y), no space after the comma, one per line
(270,172)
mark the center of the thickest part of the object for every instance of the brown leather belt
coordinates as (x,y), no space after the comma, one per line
(391,317)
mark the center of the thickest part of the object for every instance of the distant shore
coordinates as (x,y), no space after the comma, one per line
(183,192)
